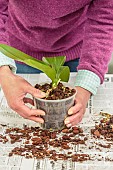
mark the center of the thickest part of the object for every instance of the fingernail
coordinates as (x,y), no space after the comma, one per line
(41,121)
(69,125)
(43,113)
(70,112)
(43,94)
(67,122)
(40,94)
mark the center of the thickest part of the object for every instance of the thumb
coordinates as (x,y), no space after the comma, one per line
(36,92)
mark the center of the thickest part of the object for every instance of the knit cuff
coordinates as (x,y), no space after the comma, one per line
(88,80)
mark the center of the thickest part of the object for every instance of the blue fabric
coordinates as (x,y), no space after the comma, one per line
(72,65)
(25,69)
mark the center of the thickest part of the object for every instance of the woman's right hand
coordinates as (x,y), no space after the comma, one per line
(15,89)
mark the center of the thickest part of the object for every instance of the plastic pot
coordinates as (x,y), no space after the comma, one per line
(56,110)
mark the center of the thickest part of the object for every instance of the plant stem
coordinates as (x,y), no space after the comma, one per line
(55,83)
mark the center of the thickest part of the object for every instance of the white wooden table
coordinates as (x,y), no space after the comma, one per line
(103,101)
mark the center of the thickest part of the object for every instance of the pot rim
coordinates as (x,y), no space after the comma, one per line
(58,100)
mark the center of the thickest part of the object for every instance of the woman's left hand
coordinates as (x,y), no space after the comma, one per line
(77,111)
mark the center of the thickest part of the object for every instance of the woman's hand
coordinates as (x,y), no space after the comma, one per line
(76,112)
(15,89)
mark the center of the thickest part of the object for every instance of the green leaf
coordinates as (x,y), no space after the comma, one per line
(64,73)
(20,56)
(51,66)
(54,62)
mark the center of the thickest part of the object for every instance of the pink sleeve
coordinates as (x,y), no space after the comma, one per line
(3,18)
(98,38)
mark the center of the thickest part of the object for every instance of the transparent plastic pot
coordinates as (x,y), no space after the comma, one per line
(56,110)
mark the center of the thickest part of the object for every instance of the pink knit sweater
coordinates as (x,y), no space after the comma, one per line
(77,29)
